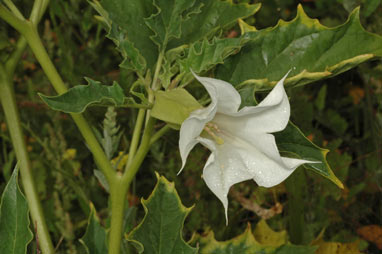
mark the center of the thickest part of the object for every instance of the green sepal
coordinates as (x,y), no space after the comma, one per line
(15,234)
(311,50)
(94,239)
(161,229)
(292,142)
(174,106)
(78,98)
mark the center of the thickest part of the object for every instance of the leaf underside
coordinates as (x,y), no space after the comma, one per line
(14,219)
(161,229)
(311,50)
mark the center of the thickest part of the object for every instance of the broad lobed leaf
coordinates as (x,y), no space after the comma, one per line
(78,98)
(139,27)
(292,142)
(15,234)
(311,50)
(161,229)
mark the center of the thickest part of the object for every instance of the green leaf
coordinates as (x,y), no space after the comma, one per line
(311,50)
(292,141)
(78,98)
(125,24)
(245,243)
(14,219)
(212,16)
(166,23)
(203,55)
(161,229)
(174,106)
(94,239)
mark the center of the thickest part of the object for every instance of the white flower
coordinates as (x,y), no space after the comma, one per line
(240,140)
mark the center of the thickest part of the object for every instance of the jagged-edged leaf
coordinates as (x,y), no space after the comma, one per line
(292,141)
(174,106)
(245,243)
(203,55)
(14,219)
(78,98)
(125,23)
(94,239)
(311,50)
(166,23)
(161,229)
(267,236)
(212,15)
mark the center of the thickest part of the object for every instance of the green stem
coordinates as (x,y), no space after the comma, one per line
(118,192)
(14,59)
(42,56)
(157,135)
(135,138)
(14,9)
(119,189)
(8,102)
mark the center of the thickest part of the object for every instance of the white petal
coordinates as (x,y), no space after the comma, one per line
(227,98)
(271,115)
(191,129)
(238,160)
(222,170)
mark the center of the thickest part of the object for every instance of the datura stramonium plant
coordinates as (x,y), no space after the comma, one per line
(240,140)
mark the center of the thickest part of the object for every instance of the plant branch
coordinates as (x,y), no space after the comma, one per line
(12,7)
(42,56)
(157,135)
(8,102)
(135,138)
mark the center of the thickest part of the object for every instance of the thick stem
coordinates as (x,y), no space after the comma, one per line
(118,192)
(119,189)
(13,120)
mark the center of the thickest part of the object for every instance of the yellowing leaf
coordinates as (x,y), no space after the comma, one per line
(266,236)
(338,248)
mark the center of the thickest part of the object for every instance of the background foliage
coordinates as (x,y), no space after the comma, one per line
(343,114)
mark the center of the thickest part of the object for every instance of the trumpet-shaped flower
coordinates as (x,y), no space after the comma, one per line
(240,140)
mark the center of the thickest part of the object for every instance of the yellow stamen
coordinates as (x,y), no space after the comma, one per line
(210,128)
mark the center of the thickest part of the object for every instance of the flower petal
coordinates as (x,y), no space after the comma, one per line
(271,115)
(191,129)
(227,98)
(222,170)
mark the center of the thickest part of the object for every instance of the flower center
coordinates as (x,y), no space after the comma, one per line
(213,130)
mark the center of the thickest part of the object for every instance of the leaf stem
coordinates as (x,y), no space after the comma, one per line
(8,102)
(157,135)
(135,138)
